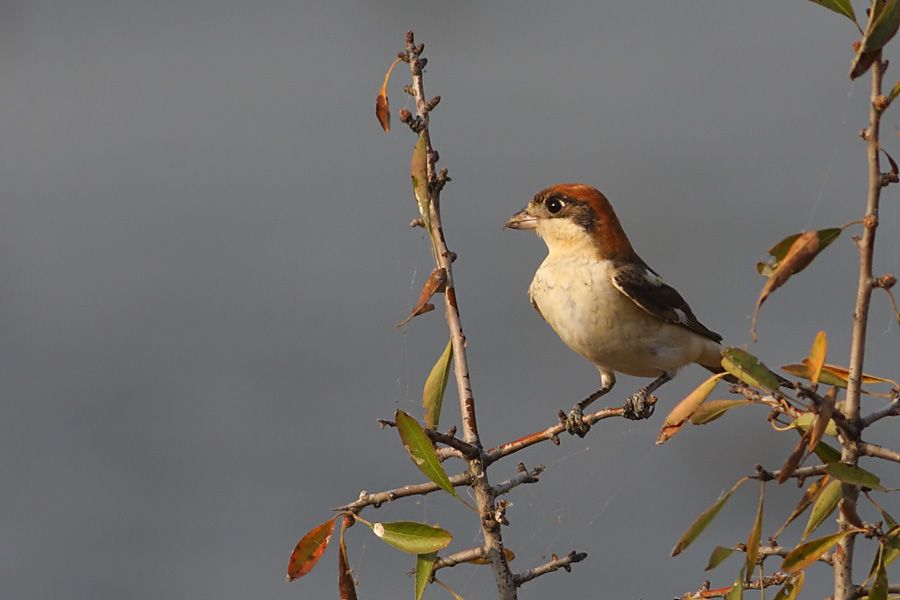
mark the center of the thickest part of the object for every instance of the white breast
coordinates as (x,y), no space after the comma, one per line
(576,297)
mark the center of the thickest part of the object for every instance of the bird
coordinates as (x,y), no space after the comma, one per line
(605,302)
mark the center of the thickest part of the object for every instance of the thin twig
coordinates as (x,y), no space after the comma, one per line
(863,591)
(556,563)
(801,473)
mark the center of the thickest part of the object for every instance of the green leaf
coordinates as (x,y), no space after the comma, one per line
(435,385)
(824,506)
(737,590)
(791,589)
(806,419)
(309,550)
(883,24)
(749,369)
(422,451)
(892,550)
(811,494)
(424,565)
(895,91)
(826,453)
(756,531)
(806,554)
(412,537)
(419,174)
(705,518)
(712,410)
(718,556)
(841,7)
(879,589)
(854,475)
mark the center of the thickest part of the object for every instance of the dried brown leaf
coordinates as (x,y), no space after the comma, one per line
(434,284)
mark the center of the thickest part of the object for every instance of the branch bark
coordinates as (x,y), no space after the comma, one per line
(843,555)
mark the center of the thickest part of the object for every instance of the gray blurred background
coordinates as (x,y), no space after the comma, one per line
(204,251)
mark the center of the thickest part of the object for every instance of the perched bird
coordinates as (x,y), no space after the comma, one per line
(605,302)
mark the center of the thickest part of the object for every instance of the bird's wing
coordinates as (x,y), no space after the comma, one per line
(646,289)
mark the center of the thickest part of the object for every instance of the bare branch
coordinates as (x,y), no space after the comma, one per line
(891,410)
(801,473)
(556,563)
(420,489)
(523,476)
(863,591)
(755,584)
(463,556)
(876,451)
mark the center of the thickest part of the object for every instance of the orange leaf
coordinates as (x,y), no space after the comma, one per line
(796,457)
(309,550)
(802,250)
(676,419)
(382,106)
(434,284)
(822,419)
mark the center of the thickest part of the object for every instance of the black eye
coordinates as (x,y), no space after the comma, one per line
(554,205)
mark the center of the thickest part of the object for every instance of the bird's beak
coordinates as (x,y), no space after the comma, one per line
(522,220)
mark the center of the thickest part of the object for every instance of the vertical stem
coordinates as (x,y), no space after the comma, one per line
(843,556)
(481,487)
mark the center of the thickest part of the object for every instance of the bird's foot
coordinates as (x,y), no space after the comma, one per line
(640,405)
(574,421)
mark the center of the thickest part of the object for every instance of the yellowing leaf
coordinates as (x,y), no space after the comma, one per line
(346,585)
(309,550)
(825,504)
(419,174)
(803,422)
(705,518)
(435,385)
(676,419)
(412,537)
(424,566)
(791,589)
(801,251)
(713,409)
(834,375)
(718,556)
(817,356)
(421,451)
(756,531)
(806,554)
(823,420)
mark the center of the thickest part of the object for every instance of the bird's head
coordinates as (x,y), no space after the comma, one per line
(574,217)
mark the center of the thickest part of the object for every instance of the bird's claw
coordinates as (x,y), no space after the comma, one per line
(575,424)
(639,406)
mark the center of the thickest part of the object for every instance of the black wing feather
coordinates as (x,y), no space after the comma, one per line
(660,300)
